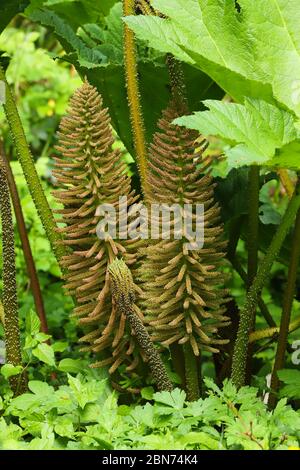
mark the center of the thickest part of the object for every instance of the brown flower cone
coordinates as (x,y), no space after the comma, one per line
(184,289)
(90,172)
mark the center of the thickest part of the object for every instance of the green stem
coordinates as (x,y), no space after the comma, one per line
(191,373)
(263,275)
(177,357)
(123,293)
(144,7)
(234,236)
(155,362)
(34,281)
(263,308)
(10,301)
(286,312)
(30,173)
(177,82)
(252,247)
(133,94)
(272,332)
(253,218)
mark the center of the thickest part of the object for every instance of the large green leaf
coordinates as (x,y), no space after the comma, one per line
(210,35)
(273,26)
(96,50)
(257,130)
(10,8)
(245,52)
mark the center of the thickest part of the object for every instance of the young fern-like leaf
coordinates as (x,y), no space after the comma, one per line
(184,295)
(90,173)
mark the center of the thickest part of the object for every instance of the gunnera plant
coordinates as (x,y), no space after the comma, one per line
(90,172)
(184,295)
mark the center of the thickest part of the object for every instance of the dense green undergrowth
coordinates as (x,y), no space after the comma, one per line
(70,406)
(84,414)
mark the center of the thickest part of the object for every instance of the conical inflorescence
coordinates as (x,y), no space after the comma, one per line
(184,288)
(91,173)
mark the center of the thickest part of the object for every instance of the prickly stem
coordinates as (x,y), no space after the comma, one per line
(30,173)
(123,293)
(10,301)
(263,275)
(134,101)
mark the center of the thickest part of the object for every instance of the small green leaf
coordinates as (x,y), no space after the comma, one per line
(32,323)
(30,342)
(8,370)
(60,346)
(288,156)
(64,426)
(291,379)
(204,440)
(41,337)
(174,399)
(91,413)
(39,388)
(44,353)
(73,366)
(24,402)
(147,393)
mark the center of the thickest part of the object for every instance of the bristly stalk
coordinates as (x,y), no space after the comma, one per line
(263,275)
(253,209)
(145,7)
(10,301)
(123,292)
(1,313)
(34,281)
(192,379)
(252,244)
(286,182)
(237,266)
(178,88)
(272,333)
(286,312)
(131,72)
(30,173)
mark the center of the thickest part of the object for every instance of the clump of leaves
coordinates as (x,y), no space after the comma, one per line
(84,414)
